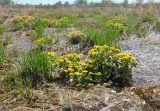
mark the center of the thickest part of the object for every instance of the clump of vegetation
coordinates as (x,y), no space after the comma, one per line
(149,18)
(22,22)
(158,25)
(39,28)
(2,54)
(36,68)
(7,40)
(103,64)
(62,22)
(12,82)
(32,33)
(117,23)
(1,20)
(42,41)
(75,37)
(101,36)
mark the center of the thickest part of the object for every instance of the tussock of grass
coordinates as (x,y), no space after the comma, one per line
(35,68)
(101,36)
(2,54)
(40,28)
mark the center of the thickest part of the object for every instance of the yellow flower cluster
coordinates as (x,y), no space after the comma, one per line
(40,41)
(20,22)
(125,59)
(74,69)
(23,18)
(70,58)
(51,54)
(72,65)
(104,51)
(117,23)
(51,22)
(124,55)
(43,41)
(99,66)
(55,22)
(75,34)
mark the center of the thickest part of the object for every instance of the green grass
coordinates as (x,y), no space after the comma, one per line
(35,68)
(7,39)
(40,28)
(132,22)
(149,18)
(2,54)
(100,19)
(158,25)
(101,36)
(12,82)
(12,85)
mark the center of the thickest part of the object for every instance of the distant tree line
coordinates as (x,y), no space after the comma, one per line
(102,3)
(6,2)
(80,3)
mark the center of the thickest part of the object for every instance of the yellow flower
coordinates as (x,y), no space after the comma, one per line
(75,34)
(66,71)
(78,73)
(40,41)
(123,55)
(51,54)
(70,69)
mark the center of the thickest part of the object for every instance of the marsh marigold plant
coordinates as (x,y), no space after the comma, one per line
(103,64)
(117,23)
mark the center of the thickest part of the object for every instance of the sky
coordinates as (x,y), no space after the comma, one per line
(36,2)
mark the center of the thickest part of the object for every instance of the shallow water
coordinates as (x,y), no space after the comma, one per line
(147,52)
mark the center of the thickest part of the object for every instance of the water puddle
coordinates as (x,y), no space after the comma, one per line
(147,52)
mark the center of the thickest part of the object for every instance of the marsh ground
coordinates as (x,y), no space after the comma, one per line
(55,96)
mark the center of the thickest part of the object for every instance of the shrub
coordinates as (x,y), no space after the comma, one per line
(103,64)
(36,67)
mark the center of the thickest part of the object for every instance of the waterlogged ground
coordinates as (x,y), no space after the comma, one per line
(147,52)
(53,97)
(145,49)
